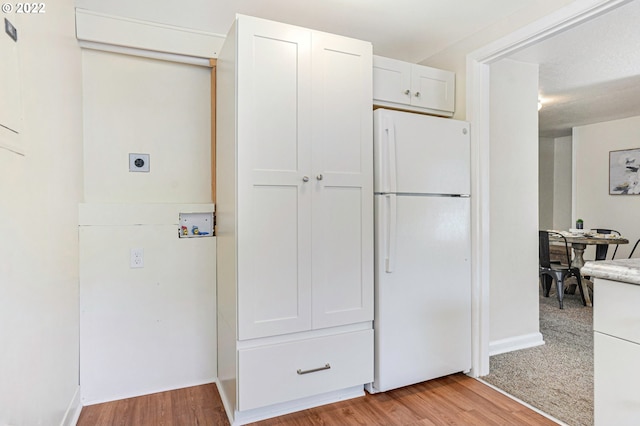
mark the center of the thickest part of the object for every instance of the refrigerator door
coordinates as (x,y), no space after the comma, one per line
(420,154)
(423,292)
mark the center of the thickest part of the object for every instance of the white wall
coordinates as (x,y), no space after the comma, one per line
(546,154)
(594,205)
(555,183)
(563,183)
(140,105)
(39,195)
(513,205)
(150,329)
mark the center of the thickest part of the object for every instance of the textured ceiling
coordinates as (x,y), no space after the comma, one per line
(590,73)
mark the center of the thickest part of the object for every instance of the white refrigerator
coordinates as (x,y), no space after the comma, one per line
(422,248)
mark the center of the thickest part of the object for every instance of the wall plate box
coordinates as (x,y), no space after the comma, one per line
(195,225)
(139,162)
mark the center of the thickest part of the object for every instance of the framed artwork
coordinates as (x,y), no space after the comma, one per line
(624,178)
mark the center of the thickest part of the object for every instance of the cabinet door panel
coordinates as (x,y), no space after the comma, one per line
(274,90)
(615,380)
(617,313)
(342,201)
(274,294)
(435,88)
(391,79)
(340,100)
(274,216)
(341,284)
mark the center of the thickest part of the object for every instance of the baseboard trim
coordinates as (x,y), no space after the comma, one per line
(74,409)
(257,414)
(515,343)
(226,403)
(143,392)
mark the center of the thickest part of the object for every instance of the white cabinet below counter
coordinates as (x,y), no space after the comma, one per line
(616,326)
(412,87)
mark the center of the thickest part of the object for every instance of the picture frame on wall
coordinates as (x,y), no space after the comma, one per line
(624,178)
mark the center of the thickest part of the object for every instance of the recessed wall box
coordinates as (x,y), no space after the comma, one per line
(195,225)
(138,162)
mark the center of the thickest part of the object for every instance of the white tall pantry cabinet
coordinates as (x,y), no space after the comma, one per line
(294,218)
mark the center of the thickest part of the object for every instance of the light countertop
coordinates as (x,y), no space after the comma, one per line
(623,270)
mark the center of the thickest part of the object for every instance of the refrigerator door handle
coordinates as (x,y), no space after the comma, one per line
(390,164)
(391,225)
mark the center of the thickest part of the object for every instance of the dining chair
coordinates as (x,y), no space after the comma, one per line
(552,271)
(602,249)
(634,248)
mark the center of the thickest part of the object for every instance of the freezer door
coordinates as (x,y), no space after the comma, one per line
(423,301)
(415,153)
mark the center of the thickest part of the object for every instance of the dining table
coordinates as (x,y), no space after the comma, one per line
(579,240)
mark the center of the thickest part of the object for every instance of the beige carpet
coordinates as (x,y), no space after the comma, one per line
(557,377)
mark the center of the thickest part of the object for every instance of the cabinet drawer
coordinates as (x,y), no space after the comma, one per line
(615,309)
(277,373)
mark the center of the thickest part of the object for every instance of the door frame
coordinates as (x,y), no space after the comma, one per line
(478,101)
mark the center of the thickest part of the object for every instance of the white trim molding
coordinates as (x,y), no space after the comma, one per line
(515,343)
(478,100)
(262,413)
(74,409)
(110,33)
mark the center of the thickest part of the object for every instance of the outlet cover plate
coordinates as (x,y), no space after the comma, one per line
(137,258)
(139,163)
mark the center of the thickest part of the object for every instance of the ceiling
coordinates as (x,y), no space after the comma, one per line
(588,74)
(410,30)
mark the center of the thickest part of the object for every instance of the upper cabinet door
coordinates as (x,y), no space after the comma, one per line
(432,88)
(343,181)
(391,80)
(274,182)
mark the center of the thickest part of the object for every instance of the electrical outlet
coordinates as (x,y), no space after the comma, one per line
(137,258)
(139,162)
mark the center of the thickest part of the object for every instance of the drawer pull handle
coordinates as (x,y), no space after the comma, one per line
(313,370)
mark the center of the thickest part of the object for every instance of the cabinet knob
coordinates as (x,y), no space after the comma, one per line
(407,92)
(417,94)
(319,177)
(305,178)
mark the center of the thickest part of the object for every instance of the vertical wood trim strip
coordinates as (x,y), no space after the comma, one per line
(213,64)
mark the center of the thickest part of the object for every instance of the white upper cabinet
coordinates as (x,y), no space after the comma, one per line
(412,87)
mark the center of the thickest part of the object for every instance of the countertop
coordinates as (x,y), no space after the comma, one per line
(623,270)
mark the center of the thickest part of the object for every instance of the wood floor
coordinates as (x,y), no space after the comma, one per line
(452,400)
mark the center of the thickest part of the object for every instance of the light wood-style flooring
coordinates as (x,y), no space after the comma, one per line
(451,400)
